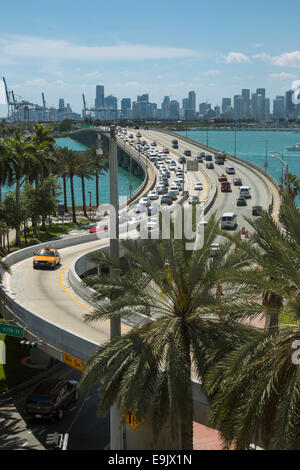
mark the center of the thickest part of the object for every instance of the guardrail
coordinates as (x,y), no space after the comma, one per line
(246,163)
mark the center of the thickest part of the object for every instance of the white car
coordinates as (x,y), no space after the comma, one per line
(198,186)
(143,200)
(153,195)
(174,188)
(230,170)
(172,167)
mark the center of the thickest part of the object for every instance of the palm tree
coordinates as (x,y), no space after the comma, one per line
(100,166)
(152,366)
(85,170)
(59,169)
(255,389)
(71,164)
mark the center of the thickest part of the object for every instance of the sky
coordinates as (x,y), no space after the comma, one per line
(65,48)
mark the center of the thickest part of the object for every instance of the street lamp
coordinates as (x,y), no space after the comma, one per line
(90,193)
(275,155)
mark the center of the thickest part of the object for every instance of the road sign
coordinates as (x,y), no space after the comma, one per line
(131,420)
(11,330)
(192,165)
(72,361)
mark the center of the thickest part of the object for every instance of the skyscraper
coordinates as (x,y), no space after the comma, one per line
(125,107)
(278,107)
(61,104)
(192,101)
(226,102)
(246,97)
(99,101)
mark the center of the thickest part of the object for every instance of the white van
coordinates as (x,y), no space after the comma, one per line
(245,192)
(229,221)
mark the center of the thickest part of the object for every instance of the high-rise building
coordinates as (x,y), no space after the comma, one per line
(125,107)
(174,109)
(217,110)
(143,98)
(226,102)
(278,107)
(267,107)
(61,104)
(290,106)
(192,101)
(247,102)
(203,107)
(165,108)
(99,101)
(238,107)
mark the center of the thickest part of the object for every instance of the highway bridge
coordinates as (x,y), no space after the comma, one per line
(50,305)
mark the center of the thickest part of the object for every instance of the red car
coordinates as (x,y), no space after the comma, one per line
(99,229)
(237,182)
(165,150)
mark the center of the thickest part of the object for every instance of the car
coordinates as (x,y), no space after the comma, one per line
(219,161)
(134,220)
(182,160)
(245,192)
(46,258)
(138,134)
(187,153)
(162,189)
(194,200)
(153,144)
(237,182)
(210,166)
(50,398)
(172,167)
(174,190)
(257,210)
(174,141)
(153,208)
(166,200)
(198,186)
(144,200)
(229,221)
(241,201)
(173,194)
(225,187)
(230,170)
(185,194)
(175,146)
(152,195)
(166,150)
(222,177)
(208,157)
(199,158)
(95,229)
(138,208)
(152,223)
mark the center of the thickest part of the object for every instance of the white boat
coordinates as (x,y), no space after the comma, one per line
(294,148)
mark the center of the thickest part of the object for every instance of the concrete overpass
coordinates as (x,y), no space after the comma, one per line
(50,305)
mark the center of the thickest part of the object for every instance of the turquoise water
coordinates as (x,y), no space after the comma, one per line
(123,180)
(251,145)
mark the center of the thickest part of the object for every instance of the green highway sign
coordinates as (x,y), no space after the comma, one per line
(11,330)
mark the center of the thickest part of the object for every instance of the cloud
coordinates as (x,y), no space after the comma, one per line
(287,59)
(257,45)
(34,47)
(237,57)
(282,76)
(210,73)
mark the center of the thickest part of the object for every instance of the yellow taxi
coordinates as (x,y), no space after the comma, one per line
(138,134)
(222,177)
(46,258)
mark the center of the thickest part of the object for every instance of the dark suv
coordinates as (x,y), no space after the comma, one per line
(50,398)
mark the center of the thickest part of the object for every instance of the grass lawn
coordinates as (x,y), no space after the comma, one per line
(54,231)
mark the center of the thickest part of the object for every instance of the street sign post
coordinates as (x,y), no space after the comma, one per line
(72,361)
(131,420)
(191,165)
(12,330)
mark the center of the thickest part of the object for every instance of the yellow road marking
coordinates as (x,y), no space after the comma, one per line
(73,298)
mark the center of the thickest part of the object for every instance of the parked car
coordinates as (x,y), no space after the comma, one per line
(50,398)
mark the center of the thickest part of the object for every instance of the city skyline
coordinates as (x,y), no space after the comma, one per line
(192,49)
